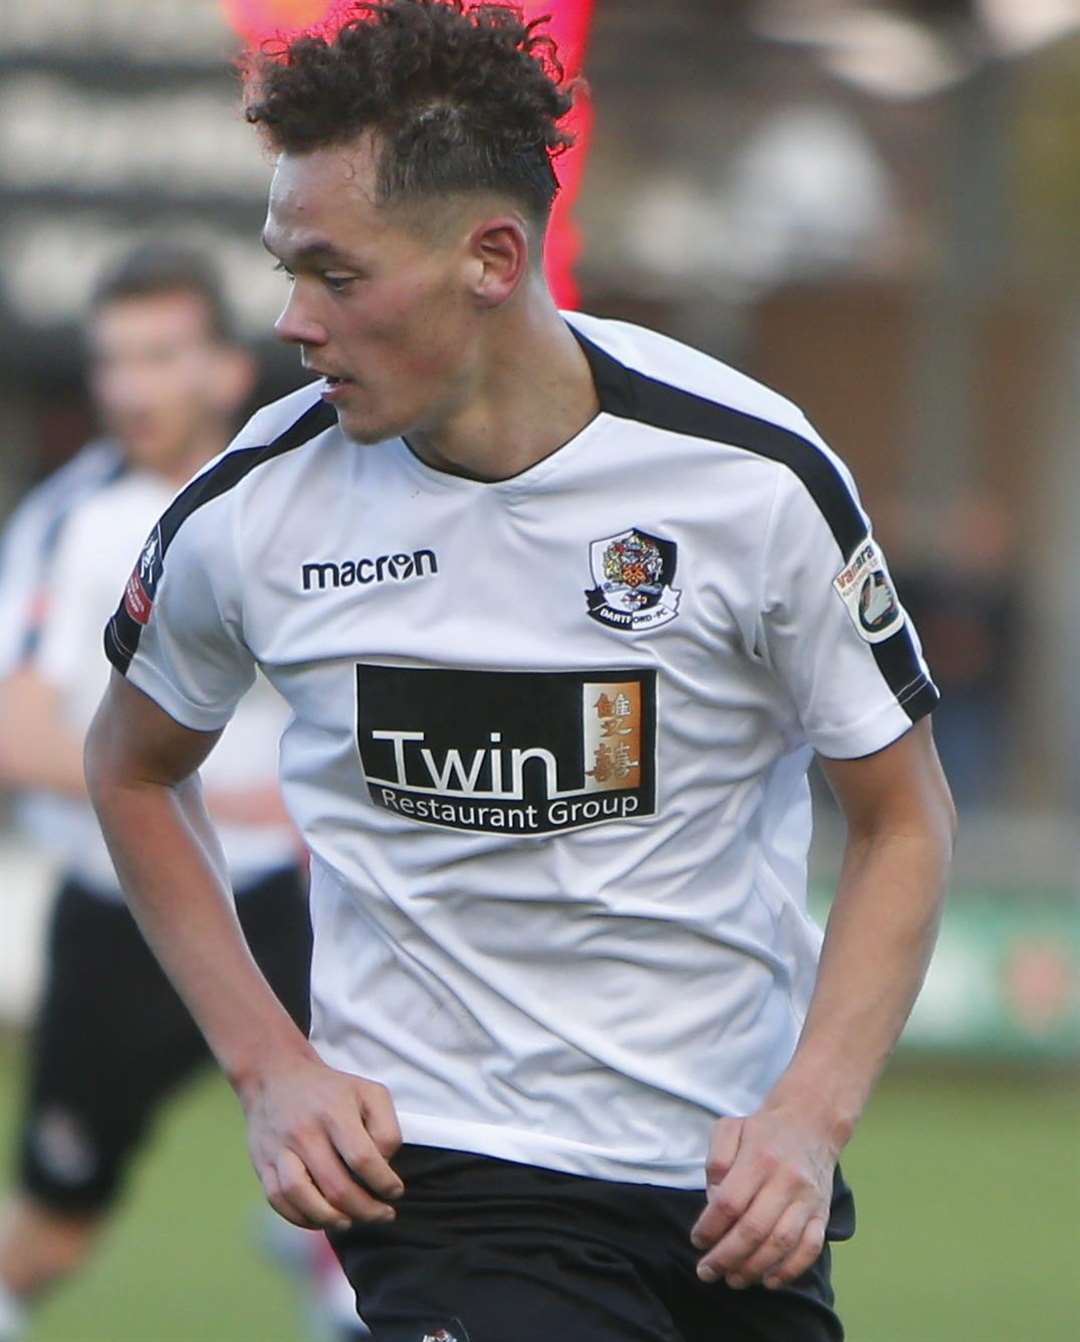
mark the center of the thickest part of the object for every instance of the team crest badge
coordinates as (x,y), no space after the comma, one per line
(633,572)
(440,1335)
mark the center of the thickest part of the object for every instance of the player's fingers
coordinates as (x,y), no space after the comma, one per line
(723,1151)
(275,1196)
(745,1237)
(805,1255)
(780,1243)
(380,1117)
(335,1181)
(287,1214)
(284,1210)
(272,1189)
(727,1202)
(356,1147)
(297,1193)
(723,1148)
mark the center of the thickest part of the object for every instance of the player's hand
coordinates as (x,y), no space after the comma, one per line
(769,1188)
(320,1141)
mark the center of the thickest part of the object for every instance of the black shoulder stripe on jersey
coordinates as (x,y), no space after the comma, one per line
(626,393)
(123,631)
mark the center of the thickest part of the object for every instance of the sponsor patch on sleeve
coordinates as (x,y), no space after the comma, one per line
(867,590)
(142,585)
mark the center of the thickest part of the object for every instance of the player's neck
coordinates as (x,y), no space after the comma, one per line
(534,394)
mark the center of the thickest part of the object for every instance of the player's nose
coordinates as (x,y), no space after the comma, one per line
(295,326)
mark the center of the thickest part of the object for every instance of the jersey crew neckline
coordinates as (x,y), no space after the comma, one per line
(522,480)
(549,743)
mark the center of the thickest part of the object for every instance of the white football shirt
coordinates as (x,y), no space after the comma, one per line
(28,545)
(27,550)
(93,556)
(549,743)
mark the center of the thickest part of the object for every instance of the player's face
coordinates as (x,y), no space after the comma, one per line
(379,304)
(156,377)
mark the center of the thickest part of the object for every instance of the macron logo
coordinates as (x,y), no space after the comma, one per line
(350,572)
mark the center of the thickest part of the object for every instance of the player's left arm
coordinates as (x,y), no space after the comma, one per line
(770,1175)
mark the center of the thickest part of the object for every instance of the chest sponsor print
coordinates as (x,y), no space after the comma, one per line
(633,573)
(508,752)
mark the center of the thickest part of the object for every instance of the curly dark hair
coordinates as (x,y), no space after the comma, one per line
(463,97)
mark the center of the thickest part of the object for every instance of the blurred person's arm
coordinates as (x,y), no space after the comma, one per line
(770,1175)
(40,744)
(38,750)
(27,544)
(260,807)
(22,560)
(310,1128)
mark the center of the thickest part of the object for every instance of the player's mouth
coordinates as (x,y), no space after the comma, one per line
(335,387)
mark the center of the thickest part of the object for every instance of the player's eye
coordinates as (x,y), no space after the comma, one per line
(338,283)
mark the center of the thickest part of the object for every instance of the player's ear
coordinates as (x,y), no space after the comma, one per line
(498,254)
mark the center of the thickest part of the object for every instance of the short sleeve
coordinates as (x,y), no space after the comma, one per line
(28,544)
(832,625)
(13,602)
(177,634)
(71,609)
(22,564)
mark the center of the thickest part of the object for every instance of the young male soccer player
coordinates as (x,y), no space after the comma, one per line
(563,610)
(111,1037)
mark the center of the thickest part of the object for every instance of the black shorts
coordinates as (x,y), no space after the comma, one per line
(112,1039)
(486,1250)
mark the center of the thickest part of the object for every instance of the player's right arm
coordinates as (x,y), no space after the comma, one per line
(320,1139)
(308,1125)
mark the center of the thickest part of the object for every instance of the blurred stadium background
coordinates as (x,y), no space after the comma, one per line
(876,208)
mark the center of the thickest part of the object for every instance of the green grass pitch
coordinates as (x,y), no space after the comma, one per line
(968,1189)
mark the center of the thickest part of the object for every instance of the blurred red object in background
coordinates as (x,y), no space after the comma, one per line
(569,25)
(259,20)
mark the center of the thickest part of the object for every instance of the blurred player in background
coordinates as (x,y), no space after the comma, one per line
(564,610)
(112,1039)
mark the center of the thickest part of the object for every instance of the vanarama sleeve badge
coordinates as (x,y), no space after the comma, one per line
(633,572)
(867,590)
